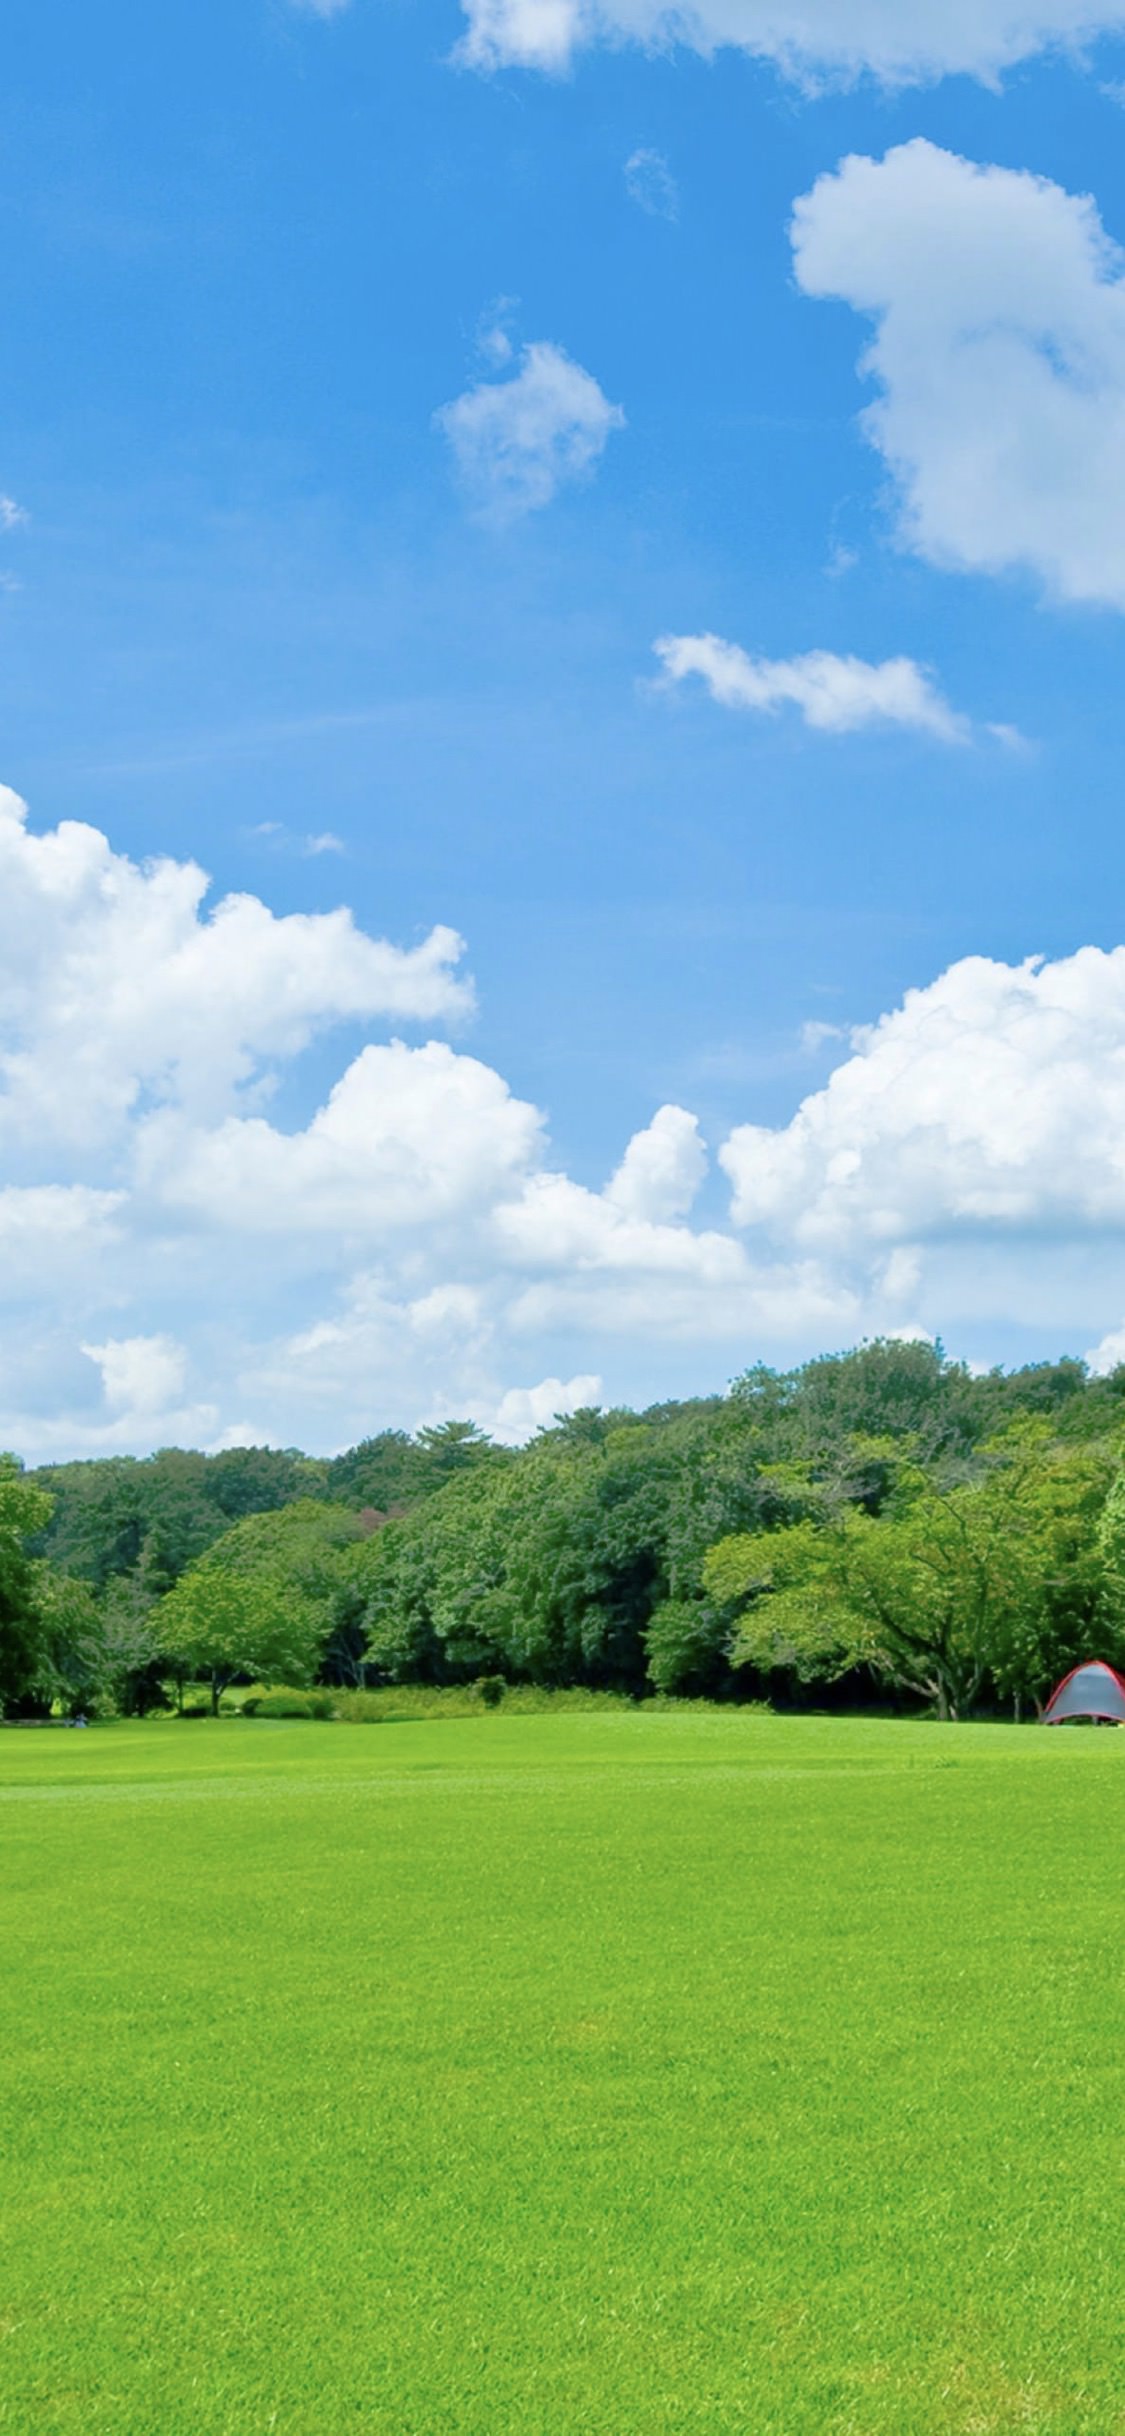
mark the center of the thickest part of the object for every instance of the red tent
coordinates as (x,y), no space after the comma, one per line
(1091,1690)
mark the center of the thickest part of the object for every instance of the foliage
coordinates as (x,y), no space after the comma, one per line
(999,1574)
(132,1659)
(290,1703)
(545,1569)
(392,1472)
(71,1670)
(24,1511)
(116,1514)
(688,1647)
(418,1703)
(264,1599)
(584,1559)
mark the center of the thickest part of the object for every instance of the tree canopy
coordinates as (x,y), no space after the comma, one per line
(880,1519)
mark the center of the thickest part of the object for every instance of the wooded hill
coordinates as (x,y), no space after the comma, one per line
(874,1525)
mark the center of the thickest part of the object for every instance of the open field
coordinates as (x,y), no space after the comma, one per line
(589,2075)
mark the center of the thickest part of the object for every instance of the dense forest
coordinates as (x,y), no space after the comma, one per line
(877,1527)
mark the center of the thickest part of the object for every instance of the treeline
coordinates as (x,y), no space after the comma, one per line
(874,1526)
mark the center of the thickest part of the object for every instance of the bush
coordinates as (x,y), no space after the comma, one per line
(283,1703)
(397,1703)
(490,1689)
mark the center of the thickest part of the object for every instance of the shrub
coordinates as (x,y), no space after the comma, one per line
(490,1689)
(398,1703)
(284,1703)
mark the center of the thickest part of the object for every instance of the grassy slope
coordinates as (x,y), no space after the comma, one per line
(577,2076)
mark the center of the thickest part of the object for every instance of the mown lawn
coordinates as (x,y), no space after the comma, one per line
(569,2076)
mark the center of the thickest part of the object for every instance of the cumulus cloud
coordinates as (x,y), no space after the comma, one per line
(119,992)
(558,1224)
(33,1216)
(649,182)
(517,442)
(998,305)
(992,1101)
(403,1243)
(523,1410)
(140,1374)
(1109,1354)
(369,1259)
(662,1169)
(834,693)
(811,41)
(407,1137)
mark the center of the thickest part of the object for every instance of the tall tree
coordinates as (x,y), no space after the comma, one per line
(262,1601)
(991,1577)
(216,1625)
(24,1512)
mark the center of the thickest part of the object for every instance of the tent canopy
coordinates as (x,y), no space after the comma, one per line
(1090,1690)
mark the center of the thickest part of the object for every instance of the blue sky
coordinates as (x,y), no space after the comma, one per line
(266,608)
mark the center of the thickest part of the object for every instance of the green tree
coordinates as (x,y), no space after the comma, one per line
(71,1657)
(262,1601)
(546,1566)
(24,1512)
(687,1647)
(453,1446)
(134,1665)
(173,1504)
(387,1473)
(950,1586)
(218,1624)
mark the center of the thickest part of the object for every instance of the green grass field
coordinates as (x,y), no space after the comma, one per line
(591,2075)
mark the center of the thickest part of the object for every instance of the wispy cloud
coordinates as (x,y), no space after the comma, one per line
(650,182)
(833,692)
(814,42)
(517,442)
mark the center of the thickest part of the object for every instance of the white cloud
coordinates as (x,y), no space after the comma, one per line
(812,41)
(59,1214)
(517,442)
(523,1410)
(11,514)
(992,1102)
(649,182)
(494,339)
(325,841)
(558,1224)
(117,992)
(1109,1354)
(662,1169)
(408,1137)
(999,354)
(140,1374)
(833,693)
(238,1434)
(741,1313)
(408,1246)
